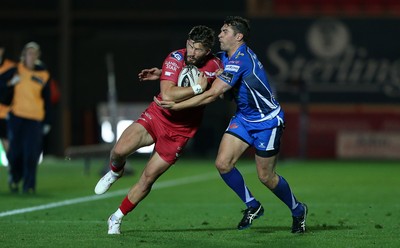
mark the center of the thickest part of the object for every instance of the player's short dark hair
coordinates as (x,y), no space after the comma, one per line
(202,34)
(239,25)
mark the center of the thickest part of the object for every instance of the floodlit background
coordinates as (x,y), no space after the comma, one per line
(335,67)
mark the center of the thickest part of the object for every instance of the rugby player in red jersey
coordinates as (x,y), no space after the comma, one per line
(168,130)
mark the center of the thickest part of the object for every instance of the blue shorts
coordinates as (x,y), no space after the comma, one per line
(264,136)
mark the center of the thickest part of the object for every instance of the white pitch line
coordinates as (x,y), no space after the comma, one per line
(159,185)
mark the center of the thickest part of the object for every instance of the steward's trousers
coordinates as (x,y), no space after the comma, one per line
(26,143)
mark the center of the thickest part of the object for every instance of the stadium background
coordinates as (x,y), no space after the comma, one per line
(335,65)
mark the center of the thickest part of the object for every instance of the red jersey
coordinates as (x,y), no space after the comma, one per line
(186,121)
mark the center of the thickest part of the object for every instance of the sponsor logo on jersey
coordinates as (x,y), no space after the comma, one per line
(226,76)
(234,68)
(260,65)
(209,74)
(177,56)
(143,119)
(170,65)
(168,73)
(239,54)
(148,115)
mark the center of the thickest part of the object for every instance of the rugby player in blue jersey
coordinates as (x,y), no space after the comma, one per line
(258,122)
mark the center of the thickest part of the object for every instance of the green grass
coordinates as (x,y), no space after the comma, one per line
(351,204)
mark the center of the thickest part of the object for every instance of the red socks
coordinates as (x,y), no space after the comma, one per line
(117,168)
(126,206)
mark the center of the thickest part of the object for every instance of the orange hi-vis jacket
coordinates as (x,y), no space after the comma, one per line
(28,101)
(4,67)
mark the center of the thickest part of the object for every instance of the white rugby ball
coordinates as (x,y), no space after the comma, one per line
(188,76)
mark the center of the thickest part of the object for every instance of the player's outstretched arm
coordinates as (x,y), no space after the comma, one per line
(171,92)
(218,87)
(149,74)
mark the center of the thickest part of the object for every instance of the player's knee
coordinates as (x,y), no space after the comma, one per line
(269,180)
(223,166)
(117,152)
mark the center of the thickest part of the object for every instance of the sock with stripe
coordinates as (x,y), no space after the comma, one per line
(236,182)
(125,207)
(284,193)
(116,166)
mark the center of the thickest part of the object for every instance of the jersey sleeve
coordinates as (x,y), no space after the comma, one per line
(172,66)
(233,71)
(210,69)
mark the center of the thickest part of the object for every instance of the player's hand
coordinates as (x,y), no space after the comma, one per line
(14,80)
(164,104)
(218,72)
(149,74)
(202,81)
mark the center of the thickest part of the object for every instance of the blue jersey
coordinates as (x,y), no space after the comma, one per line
(250,87)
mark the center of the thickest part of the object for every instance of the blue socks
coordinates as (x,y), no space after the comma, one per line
(236,182)
(283,192)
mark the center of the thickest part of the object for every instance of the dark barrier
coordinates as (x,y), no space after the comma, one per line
(333,60)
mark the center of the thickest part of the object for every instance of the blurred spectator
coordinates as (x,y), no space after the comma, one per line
(29,118)
(7,68)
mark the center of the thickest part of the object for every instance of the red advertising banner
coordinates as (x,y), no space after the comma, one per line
(363,144)
(342,131)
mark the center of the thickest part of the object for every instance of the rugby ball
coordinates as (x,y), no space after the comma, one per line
(188,76)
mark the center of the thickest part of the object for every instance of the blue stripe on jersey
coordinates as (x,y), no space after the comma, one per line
(252,91)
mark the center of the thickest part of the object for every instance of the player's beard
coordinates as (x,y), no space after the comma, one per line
(197,62)
(190,61)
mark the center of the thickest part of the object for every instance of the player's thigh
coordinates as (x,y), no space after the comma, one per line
(134,137)
(230,150)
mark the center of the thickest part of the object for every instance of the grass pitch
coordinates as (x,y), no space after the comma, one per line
(351,204)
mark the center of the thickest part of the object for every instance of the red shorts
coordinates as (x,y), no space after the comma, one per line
(168,144)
